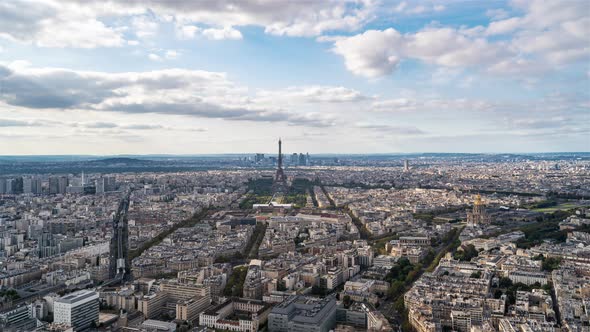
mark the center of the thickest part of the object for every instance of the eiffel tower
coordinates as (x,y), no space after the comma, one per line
(280,180)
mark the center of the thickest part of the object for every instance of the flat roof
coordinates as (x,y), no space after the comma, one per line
(77,296)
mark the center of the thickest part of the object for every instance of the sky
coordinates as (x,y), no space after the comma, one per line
(109,77)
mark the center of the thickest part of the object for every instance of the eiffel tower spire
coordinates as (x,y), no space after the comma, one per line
(280,183)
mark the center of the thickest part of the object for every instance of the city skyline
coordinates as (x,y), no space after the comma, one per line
(343,77)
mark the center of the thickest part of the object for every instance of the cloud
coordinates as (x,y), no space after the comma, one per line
(191,32)
(372,53)
(171,54)
(377,53)
(55,24)
(390,129)
(432,104)
(98,125)
(283,18)
(144,26)
(497,14)
(131,126)
(187,31)
(88,23)
(418,8)
(550,33)
(20,123)
(504,26)
(154,57)
(173,91)
(222,34)
(311,94)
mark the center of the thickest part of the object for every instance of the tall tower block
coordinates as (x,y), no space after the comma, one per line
(280,181)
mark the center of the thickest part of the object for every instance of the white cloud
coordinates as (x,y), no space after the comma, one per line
(222,34)
(171,54)
(431,104)
(179,92)
(55,24)
(417,8)
(20,123)
(372,53)
(82,23)
(549,34)
(145,26)
(504,26)
(187,31)
(497,14)
(288,18)
(311,94)
(391,129)
(154,57)
(377,53)
(191,32)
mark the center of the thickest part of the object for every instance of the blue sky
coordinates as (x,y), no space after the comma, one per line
(359,76)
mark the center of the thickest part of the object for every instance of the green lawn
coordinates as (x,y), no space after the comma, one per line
(562,206)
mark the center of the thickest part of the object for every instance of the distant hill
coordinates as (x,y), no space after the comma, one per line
(126,161)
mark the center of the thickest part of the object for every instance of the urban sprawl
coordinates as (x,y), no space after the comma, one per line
(292,242)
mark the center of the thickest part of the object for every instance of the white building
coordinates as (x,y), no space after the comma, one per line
(77,310)
(153,325)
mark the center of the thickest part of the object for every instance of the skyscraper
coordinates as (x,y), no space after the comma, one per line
(259,157)
(100,185)
(32,186)
(10,185)
(54,185)
(62,184)
(110,183)
(406,166)
(17,187)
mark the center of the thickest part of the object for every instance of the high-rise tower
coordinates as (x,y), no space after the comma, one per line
(280,183)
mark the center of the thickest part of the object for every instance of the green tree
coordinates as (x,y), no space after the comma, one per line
(396,289)
(498,294)
(550,264)
(467,253)
(347,301)
(505,282)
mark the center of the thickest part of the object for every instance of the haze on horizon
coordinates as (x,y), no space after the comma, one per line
(328,76)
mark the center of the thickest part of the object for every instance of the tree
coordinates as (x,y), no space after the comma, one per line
(411,276)
(498,294)
(505,282)
(347,301)
(399,305)
(550,264)
(476,275)
(467,254)
(396,289)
